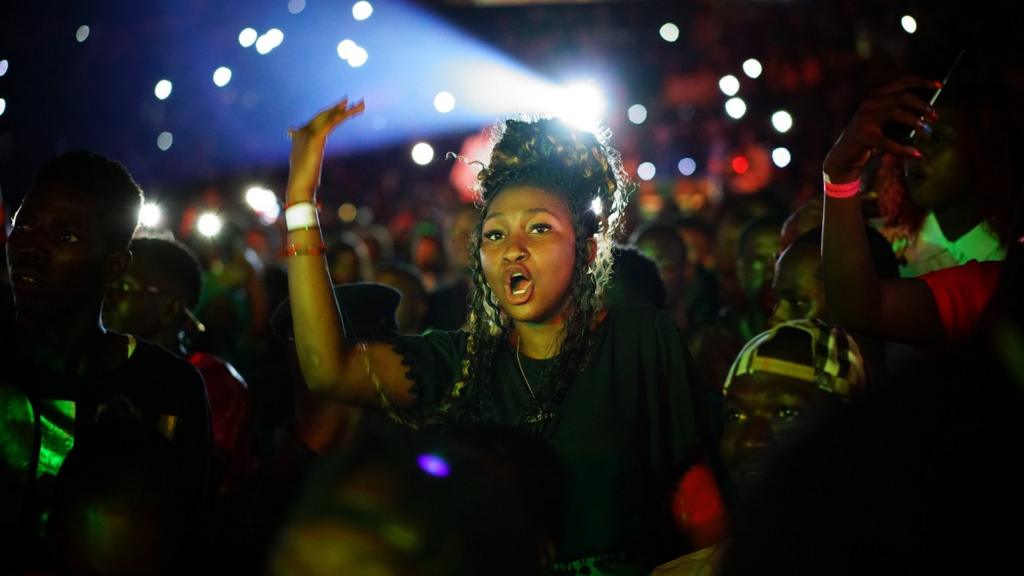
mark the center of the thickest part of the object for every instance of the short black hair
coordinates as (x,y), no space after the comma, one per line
(635,280)
(176,264)
(104,180)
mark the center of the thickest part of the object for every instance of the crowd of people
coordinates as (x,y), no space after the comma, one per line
(538,383)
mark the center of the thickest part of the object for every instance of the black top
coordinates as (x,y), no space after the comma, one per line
(166,391)
(624,429)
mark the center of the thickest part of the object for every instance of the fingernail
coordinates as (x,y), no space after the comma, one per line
(916,153)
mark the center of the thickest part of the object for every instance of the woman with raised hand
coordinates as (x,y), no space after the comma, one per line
(609,389)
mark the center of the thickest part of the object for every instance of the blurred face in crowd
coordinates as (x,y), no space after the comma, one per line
(755,265)
(57,255)
(528,253)
(461,236)
(139,303)
(798,286)
(671,260)
(345,267)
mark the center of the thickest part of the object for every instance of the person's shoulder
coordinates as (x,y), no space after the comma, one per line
(639,317)
(159,363)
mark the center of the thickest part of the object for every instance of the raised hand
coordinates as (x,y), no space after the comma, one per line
(308,143)
(863,137)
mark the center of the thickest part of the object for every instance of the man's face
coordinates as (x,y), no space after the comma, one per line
(763,414)
(756,266)
(55,253)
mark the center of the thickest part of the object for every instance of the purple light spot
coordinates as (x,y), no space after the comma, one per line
(433,464)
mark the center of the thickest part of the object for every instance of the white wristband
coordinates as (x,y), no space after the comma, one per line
(301,216)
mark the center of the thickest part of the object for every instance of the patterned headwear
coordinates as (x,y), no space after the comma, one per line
(838,366)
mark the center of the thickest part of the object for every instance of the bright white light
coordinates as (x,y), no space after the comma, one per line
(669,32)
(582,104)
(422,153)
(4,64)
(209,224)
(296,6)
(729,85)
(163,89)
(361,10)
(782,121)
(221,76)
(687,166)
(247,37)
(444,102)
(781,157)
(358,57)
(82,33)
(164,141)
(645,171)
(752,68)
(3,106)
(150,215)
(735,108)
(270,40)
(637,113)
(596,207)
(345,49)
(263,202)
(909,24)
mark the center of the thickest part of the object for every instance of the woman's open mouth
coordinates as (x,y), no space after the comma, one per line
(518,287)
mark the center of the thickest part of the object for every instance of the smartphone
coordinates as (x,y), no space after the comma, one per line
(905,134)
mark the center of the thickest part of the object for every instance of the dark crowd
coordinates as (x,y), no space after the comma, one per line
(563,368)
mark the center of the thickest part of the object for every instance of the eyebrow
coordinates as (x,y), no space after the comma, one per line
(531,212)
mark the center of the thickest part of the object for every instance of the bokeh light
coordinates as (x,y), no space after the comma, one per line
(296,6)
(444,102)
(752,67)
(781,157)
(669,32)
(164,141)
(247,37)
(729,85)
(362,10)
(782,121)
(82,33)
(735,108)
(422,153)
(209,224)
(150,215)
(646,170)
(687,166)
(637,113)
(163,89)
(221,76)
(434,465)
(909,24)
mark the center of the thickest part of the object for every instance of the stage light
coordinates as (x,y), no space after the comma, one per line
(582,104)
(209,224)
(735,108)
(164,141)
(264,203)
(669,32)
(163,89)
(362,10)
(221,76)
(909,24)
(247,37)
(444,102)
(729,85)
(637,114)
(687,166)
(752,68)
(422,153)
(150,215)
(781,157)
(782,121)
(646,171)
(296,6)
(82,33)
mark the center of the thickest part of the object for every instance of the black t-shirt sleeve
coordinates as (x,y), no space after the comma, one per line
(434,362)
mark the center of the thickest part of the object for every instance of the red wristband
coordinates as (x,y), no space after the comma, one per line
(845,190)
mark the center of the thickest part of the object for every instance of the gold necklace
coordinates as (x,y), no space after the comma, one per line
(541,415)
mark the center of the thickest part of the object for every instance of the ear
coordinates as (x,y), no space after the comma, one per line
(591,250)
(115,266)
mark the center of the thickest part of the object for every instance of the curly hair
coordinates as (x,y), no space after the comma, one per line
(582,169)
